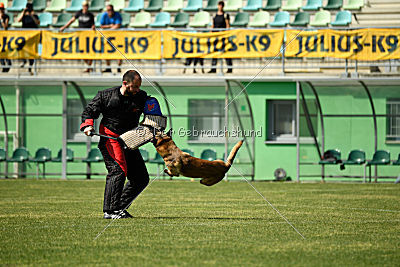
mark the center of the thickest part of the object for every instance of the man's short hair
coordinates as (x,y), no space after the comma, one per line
(131,75)
(112,7)
(221,3)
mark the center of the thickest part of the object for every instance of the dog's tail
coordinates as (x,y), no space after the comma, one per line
(233,153)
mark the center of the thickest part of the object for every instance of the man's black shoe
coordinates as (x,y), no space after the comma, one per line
(229,71)
(119,70)
(213,71)
(107,70)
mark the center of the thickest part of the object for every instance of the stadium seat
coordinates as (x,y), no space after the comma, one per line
(162,19)
(354,5)
(42,155)
(46,19)
(159,161)
(260,19)
(332,156)
(173,6)
(20,154)
(212,5)
(281,19)
(96,5)
(154,5)
(334,4)
(380,157)
(3,156)
(193,5)
(189,151)
(145,154)
(322,18)
(93,156)
(39,5)
(273,5)
(292,5)
(117,4)
(141,20)
(200,20)
(75,6)
(134,6)
(17,5)
(397,162)
(62,19)
(241,19)
(181,20)
(126,19)
(302,19)
(312,5)
(253,5)
(343,18)
(356,157)
(233,5)
(97,20)
(208,154)
(70,156)
(56,6)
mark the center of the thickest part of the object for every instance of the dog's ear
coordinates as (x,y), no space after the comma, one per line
(169,133)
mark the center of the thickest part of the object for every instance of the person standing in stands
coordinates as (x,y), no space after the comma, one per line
(111,20)
(4,23)
(86,21)
(221,21)
(29,21)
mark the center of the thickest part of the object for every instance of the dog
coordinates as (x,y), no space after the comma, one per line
(181,163)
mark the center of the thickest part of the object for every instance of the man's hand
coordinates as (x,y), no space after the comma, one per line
(89,130)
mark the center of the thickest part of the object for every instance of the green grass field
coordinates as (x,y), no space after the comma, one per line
(186,224)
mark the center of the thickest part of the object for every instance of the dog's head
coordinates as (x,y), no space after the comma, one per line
(162,138)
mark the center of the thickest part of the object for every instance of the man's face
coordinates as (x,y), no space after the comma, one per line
(85,8)
(132,87)
(110,11)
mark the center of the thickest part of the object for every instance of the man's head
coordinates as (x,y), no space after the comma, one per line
(29,7)
(221,5)
(110,10)
(85,6)
(1,7)
(131,81)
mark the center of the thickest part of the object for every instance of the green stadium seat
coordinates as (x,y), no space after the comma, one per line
(3,156)
(126,19)
(332,156)
(356,157)
(97,19)
(312,5)
(162,20)
(117,4)
(302,19)
(189,151)
(159,161)
(380,157)
(253,5)
(181,20)
(70,156)
(134,6)
(20,154)
(397,162)
(42,155)
(343,18)
(39,5)
(354,5)
(292,5)
(17,6)
(273,5)
(281,19)
(154,5)
(13,23)
(193,5)
(46,19)
(334,4)
(209,154)
(62,19)
(94,155)
(145,154)
(200,20)
(75,6)
(173,6)
(322,19)
(212,5)
(96,5)
(56,6)
(141,20)
(241,19)
(260,19)
(233,5)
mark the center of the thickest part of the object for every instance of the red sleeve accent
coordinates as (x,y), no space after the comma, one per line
(87,122)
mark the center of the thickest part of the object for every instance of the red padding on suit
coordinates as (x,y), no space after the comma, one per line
(87,122)
(114,148)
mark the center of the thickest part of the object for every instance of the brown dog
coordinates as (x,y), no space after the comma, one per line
(179,162)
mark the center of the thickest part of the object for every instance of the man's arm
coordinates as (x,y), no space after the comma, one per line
(227,21)
(68,23)
(90,113)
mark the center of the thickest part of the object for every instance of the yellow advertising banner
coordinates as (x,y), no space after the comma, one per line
(364,44)
(93,45)
(19,44)
(225,44)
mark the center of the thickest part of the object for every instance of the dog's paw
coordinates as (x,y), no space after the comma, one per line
(210,181)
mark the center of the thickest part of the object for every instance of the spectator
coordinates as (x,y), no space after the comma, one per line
(29,21)
(86,21)
(221,21)
(4,23)
(111,20)
(195,61)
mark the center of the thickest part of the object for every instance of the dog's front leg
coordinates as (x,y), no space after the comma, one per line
(168,172)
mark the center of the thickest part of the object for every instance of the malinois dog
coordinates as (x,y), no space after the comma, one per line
(179,162)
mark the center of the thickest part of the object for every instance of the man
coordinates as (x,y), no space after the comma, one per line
(121,107)
(29,21)
(221,21)
(111,20)
(86,21)
(4,23)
